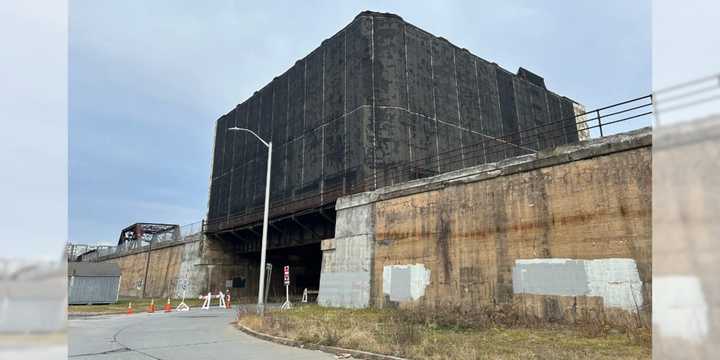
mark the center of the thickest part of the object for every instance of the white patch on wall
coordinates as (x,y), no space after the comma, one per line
(617,281)
(405,282)
(679,307)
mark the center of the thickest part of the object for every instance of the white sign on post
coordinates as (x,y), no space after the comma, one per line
(182,306)
(286,278)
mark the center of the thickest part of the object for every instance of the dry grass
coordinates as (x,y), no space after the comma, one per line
(419,334)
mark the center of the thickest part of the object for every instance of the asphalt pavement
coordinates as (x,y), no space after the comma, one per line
(196,334)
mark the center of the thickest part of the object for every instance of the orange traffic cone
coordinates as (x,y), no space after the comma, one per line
(151,308)
(167,306)
(130,311)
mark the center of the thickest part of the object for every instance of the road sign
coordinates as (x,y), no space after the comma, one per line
(286,276)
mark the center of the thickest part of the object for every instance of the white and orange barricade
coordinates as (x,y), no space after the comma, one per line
(208,300)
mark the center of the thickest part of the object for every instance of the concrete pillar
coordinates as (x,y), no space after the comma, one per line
(345,278)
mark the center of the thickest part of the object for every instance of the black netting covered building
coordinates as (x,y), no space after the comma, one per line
(380,102)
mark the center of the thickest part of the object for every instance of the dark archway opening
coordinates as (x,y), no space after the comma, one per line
(305,263)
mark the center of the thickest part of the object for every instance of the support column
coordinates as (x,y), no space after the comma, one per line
(345,278)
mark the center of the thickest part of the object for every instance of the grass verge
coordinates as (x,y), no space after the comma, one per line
(401,333)
(138,305)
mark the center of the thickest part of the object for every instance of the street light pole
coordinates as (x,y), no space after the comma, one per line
(263,248)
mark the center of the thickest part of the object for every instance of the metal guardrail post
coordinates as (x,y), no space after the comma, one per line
(654,109)
(599,119)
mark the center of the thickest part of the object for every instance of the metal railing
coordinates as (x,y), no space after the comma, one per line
(192,231)
(74,252)
(589,124)
(83,252)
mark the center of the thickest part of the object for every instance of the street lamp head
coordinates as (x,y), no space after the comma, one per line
(235,128)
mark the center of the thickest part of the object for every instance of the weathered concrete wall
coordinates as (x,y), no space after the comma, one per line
(195,267)
(219,263)
(572,226)
(159,272)
(347,259)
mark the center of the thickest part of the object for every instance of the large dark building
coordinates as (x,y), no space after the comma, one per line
(380,102)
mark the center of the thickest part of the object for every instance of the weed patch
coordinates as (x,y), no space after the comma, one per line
(452,334)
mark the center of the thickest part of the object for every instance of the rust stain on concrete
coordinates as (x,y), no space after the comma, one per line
(471,233)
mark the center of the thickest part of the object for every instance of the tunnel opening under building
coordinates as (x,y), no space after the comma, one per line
(304,261)
(304,264)
(293,241)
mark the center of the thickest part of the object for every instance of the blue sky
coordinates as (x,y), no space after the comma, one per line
(148,79)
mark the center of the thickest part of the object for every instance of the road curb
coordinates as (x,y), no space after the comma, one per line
(359,354)
(92,314)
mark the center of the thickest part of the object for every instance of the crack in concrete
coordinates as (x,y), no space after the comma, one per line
(101,352)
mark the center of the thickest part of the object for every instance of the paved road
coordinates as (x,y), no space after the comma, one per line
(197,334)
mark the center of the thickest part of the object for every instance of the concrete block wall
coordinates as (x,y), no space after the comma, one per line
(554,233)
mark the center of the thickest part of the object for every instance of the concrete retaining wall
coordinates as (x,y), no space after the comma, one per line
(160,272)
(555,232)
(195,267)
